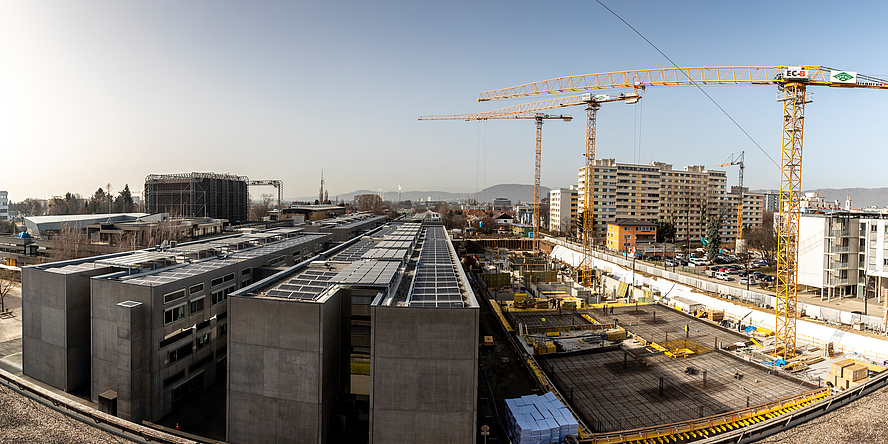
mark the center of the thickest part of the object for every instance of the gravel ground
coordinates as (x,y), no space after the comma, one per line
(864,421)
(23,420)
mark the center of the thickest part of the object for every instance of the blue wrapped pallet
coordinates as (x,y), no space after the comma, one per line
(539,419)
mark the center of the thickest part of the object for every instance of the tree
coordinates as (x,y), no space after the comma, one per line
(665,231)
(30,207)
(123,203)
(70,204)
(713,238)
(369,202)
(488,225)
(7,283)
(69,243)
(763,238)
(260,209)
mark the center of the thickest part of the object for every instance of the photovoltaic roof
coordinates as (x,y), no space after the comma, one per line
(435,283)
(368,273)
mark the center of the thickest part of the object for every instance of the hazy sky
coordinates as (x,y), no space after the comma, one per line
(93,92)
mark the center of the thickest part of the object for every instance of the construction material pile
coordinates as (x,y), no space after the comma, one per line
(535,419)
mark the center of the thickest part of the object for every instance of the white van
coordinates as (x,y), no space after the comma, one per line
(723,276)
(698,261)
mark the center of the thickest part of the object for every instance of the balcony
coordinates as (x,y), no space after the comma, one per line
(835,249)
(838,282)
(837,265)
(838,233)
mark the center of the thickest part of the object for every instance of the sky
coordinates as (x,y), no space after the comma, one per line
(97,92)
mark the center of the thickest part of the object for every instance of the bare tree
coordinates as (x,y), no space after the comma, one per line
(764,238)
(30,207)
(260,209)
(368,202)
(69,243)
(7,283)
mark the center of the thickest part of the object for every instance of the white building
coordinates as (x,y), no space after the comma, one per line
(841,252)
(4,206)
(563,209)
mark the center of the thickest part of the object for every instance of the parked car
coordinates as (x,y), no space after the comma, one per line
(742,273)
(723,276)
(761,263)
(750,281)
(670,263)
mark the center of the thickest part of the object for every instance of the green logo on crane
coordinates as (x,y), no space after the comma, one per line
(843,76)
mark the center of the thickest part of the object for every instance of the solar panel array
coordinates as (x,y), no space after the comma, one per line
(368,273)
(307,286)
(355,252)
(435,283)
(174,274)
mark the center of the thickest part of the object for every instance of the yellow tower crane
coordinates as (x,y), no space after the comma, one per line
(737,159)
(792,82)
(538,118)
(592,103)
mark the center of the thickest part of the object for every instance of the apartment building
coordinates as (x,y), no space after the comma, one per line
(626,234)
(656,192)
(751,214)
(563,209)
(4,206)
(844,252)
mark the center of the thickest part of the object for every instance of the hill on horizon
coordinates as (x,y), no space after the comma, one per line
(514,192)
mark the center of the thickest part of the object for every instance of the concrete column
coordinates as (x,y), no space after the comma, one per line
(129,362)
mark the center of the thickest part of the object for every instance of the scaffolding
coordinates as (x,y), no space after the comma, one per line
(219,196)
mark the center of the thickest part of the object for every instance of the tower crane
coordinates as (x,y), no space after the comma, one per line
(737,159)
(592,103)
(792,83)
(538,118)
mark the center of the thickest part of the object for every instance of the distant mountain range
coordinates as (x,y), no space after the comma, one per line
(860,197)
(514,192)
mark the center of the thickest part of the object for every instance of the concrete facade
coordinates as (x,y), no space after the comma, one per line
(286,360)
(425,375)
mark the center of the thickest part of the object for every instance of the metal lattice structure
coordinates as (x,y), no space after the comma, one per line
(219,196)
(589,195)
(517,114)
(278,184)
(788,217)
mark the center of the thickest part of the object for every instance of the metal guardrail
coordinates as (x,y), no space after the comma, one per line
(88,415)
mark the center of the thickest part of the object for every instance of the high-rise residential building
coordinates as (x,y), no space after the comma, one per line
(563,209)
(502,203)
(772,199)
(686,198)
(752,212)
(4,206)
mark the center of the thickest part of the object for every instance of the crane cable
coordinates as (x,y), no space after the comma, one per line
(692,82)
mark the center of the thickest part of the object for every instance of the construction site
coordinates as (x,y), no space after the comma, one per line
(639,365)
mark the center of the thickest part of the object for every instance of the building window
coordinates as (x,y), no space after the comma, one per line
(170,297)
(246,271)
(195,289)
(179,353)
(228,277)
(223,330)
(221,295)
(197,305)
(173,314)
(203,341)
(277,261)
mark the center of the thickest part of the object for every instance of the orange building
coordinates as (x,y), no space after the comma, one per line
(627,233)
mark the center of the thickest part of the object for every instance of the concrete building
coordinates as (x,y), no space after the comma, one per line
(751,215)
(382,335)
(813,201)
(772,200)
(686,198)
(219,196)
(346,227)
(502,204)
(843,253)
(625,234)
(563,209)
(141,329)
(4,206)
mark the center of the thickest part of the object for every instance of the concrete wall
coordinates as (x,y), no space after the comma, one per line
(424,370)
(283,358)
(56,327)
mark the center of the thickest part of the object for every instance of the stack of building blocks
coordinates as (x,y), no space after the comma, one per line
(535,419)
(848,373)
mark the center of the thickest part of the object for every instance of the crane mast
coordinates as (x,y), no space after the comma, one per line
(738,160)
(517,114)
